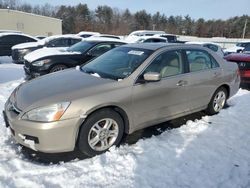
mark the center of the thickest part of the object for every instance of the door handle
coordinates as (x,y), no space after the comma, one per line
(182,83)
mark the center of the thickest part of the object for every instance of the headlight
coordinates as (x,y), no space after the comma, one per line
(48,113)
(24,51)
(40,63)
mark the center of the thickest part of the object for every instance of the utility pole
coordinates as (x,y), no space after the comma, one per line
(154,26)
(244,29)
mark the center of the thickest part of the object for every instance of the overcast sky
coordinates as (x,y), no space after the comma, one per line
(207,9)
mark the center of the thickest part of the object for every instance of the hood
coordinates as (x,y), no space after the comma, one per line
(25,45)
(46,52)
(59,87)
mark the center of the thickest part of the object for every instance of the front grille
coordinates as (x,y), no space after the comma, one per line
(244,65)
(26,64)
(15,55)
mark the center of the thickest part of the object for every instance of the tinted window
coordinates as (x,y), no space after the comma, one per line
(212,47)
(167,64)
(74,41)
(247,48)
(154,40)
(81,47)
(200,60)
(100,49)
(59,43)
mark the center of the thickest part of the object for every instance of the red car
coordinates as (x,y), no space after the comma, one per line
(243,61)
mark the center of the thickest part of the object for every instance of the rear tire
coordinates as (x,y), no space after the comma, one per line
(58,68)
(217,101)
(102,129)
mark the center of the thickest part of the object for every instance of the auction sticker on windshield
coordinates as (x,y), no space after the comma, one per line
(134,52)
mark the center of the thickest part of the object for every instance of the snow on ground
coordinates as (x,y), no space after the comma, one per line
(211,152)
(5,59)
(10,72)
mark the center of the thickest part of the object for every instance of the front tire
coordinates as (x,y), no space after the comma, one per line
(217,102)
(102,129)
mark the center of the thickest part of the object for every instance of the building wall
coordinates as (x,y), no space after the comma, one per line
(29,23)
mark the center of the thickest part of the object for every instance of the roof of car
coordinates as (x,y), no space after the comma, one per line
(103,39)
(158,45)
(20,34)
(201,43)
(151,46)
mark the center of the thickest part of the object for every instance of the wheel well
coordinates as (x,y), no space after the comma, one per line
(56,64)
(120,111)
(227,88)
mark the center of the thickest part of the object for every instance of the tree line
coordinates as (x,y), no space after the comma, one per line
(105,19)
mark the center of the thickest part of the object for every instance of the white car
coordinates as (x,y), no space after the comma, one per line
(146,33)
(86,34)
(150,39)
(239,47)
(212,46)
(57,41)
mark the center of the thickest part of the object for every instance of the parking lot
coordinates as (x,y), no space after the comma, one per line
(193,151)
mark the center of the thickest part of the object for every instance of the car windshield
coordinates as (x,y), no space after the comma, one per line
(81,47)
(118,63)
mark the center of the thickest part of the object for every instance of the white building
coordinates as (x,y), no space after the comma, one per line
(28,23)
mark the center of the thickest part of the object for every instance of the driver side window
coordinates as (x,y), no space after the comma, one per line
(167,64)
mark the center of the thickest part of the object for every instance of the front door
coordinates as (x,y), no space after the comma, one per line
(157,101)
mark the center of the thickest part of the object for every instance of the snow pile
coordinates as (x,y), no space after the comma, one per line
(211,152)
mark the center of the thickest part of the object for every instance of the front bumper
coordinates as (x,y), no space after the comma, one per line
(31,72)
(54,137)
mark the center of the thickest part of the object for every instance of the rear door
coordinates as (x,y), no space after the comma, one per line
(204,78)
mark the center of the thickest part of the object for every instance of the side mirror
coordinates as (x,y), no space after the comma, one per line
(152,77)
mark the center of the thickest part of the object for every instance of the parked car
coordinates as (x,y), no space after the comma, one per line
(108,36)
(58,41)
(128,88)
(171,38)
(7,40)
(44,61)
(40,37)
(86,34)
(246,49)
(243,62)
(212,46)
(239,47)
(149,39)
(140,33)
